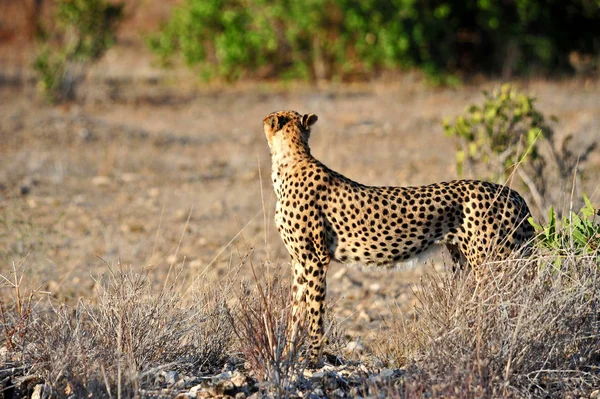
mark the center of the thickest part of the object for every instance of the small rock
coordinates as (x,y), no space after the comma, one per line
(129,177)
(196,388)
(364,316)
(340,273)
(387,127)
(238,379)
(251,175)
(42,391)
(182,214)
(101,181)
(84,134)
(78,199)
(4,353)
(338,394)
(386,373)
(595,394)
(225,387)
(171,377)
(217,207)
(319,375)
(240,395)
(318,392)
(354,347)
(375,287)
(171,259)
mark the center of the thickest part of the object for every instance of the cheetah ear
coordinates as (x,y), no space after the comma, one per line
(308,120)
(272,122)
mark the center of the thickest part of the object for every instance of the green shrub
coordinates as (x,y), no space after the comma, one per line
(51,71)
(508,136)
(579,235)
(324,39)
(320,39)
(91,23)
(499,134)
(84,30)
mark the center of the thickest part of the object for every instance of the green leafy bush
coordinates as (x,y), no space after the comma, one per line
(508,136)
(230,38)
(84,30)
(578,234)
(499,134)
(324,39)
(51,71)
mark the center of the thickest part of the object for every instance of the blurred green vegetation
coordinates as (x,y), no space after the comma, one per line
(349,39)
(83,31)
(499,134)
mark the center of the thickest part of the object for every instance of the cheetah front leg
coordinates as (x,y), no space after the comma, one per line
(315,307)
(298,302)
(309,289)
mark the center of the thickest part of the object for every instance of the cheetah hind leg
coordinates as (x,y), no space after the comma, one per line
(459,260)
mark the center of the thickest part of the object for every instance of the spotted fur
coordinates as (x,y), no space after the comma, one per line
(322,215)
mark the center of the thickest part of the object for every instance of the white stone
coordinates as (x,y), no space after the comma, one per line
(100,180)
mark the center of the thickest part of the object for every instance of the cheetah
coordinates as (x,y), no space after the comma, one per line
(323,216)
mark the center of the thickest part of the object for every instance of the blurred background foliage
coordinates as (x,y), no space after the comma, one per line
(351,39)
(82,32)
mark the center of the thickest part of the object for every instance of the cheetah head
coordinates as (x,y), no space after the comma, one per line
(288,128)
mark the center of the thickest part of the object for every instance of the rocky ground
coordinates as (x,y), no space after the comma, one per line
(348,381)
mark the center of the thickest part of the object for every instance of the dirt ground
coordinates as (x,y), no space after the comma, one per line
(158,174)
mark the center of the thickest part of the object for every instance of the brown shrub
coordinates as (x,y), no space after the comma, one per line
(263,324)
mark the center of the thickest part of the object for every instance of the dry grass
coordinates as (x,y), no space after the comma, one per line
(262,322)
(122,340)
(116,343)
(519,328)
(499,332)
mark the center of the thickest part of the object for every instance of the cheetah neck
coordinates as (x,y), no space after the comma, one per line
(283,166)
(284,159)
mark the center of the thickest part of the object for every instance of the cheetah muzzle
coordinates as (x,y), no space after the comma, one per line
(322,215)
